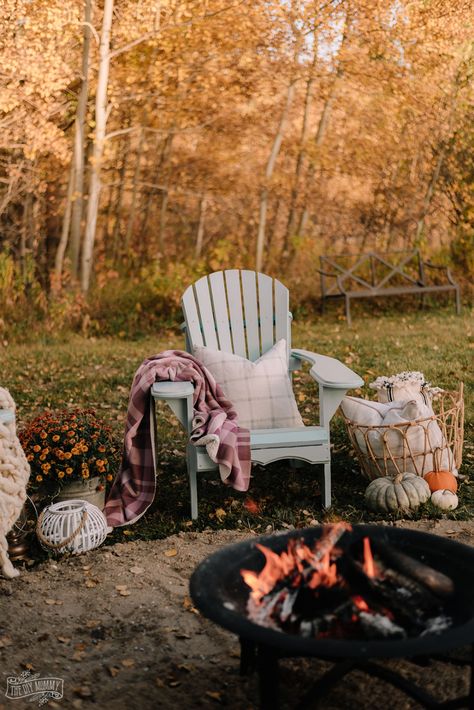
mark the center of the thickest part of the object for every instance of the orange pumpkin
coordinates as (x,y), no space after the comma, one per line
(441,480)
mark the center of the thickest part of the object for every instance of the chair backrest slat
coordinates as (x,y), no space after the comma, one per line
(249,293)
(191,317)
(266,312)
(234,295)
(240,312)
(219,300)
(282,315)
(203,298)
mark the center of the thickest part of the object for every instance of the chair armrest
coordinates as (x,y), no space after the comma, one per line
(328,371)
(172,390)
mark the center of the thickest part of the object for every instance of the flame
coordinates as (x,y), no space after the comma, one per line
(360,603)
(298,563)
(369,566)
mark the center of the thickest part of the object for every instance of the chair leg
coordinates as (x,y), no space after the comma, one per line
(326,485)
(191,462)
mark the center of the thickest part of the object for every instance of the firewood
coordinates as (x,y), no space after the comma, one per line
(437,582)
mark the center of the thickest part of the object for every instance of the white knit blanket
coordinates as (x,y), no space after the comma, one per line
(14,475)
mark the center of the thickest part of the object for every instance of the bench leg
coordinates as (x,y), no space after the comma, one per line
(458,301)
(348,312)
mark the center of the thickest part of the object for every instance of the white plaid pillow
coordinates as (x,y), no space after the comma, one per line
(260,391)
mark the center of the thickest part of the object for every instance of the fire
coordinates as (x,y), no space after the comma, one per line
(360,603)
(298,564)
(369,564)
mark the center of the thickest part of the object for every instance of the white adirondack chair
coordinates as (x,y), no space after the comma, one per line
(246,313)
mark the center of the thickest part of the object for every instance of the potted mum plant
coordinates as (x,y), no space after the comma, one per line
(71,454)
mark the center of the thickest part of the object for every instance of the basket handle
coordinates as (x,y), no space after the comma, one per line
(63,543)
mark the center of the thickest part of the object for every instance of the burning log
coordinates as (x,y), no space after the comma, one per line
(437,582)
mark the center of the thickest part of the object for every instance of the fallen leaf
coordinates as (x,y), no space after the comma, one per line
(113,671)
(121,587)
(182,635)
(83,692)
(127,662)
(252,506)
(159,683)
(220,514)
(78,656)
(91,623)
(171,553)
(174,683)
(52,602)
(184,667)
(137,570)
(125,592)
(63,639)
(5,641)
(214,694)
(90,583)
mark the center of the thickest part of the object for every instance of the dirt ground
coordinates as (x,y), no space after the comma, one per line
(117,625)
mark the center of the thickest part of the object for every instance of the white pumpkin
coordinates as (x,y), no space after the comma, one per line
(444,499)
(406,491)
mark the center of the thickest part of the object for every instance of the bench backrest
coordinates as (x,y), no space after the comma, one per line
(371,271)
(240,312)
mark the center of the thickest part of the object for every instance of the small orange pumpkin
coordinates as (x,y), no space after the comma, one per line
(441,480)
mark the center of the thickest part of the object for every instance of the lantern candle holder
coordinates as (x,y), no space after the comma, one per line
(72,526)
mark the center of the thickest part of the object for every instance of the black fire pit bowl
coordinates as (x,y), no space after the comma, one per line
(219,592)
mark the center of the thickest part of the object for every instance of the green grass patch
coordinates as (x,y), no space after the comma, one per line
(97,372)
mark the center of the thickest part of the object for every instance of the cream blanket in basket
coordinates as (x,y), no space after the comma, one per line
(14,475)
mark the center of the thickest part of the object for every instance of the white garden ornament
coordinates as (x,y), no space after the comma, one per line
(72,526)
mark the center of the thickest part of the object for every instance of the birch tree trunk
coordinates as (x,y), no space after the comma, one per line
(100,121)
(79,149)
(430,190)
(61,250)
(318,141)
(200,229)
(268,174)
(136,178)
(291,224)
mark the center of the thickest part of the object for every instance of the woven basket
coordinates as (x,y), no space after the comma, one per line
(387,450)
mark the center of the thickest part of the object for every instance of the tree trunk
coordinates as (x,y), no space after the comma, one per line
(268,174)
(100,121)
(118,203)
(136,178)
(420,227)
(79,147)
(200,229)
(318,141)
(291,224)
(61,249)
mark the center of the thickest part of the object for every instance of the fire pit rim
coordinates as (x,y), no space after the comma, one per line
(204,595)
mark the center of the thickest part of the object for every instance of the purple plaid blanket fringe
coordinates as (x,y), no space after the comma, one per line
(215,426)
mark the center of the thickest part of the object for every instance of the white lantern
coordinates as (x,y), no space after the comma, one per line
(73,526)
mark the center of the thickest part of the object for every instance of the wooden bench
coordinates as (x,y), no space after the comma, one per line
(387,274)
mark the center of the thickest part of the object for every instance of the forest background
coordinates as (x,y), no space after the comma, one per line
(144,143)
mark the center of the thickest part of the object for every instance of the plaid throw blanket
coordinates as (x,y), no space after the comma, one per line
(214,426)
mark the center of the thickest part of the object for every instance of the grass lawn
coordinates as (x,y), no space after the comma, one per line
(49,373)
